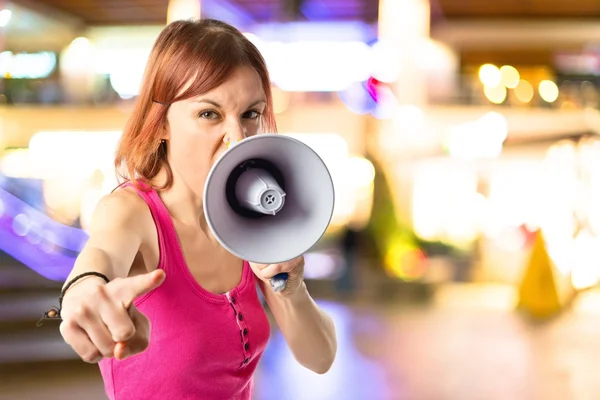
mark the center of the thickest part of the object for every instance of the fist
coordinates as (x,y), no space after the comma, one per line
(294,268)
(99,320)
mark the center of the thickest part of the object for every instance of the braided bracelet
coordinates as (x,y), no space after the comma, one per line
(54,312)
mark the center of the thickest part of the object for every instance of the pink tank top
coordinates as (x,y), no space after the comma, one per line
(203,346)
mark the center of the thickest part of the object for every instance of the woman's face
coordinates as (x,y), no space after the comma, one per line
(198,128)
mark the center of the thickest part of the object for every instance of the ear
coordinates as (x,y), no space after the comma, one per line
(165,130)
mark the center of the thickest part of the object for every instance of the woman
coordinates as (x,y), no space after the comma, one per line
(164,309)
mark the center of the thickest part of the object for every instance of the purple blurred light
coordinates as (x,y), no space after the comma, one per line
(342,31)
(333,10)
(227,11)
(358,99)
(36,240)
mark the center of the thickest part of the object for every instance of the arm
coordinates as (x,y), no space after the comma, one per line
(115,238)
(97,318)
(307,329)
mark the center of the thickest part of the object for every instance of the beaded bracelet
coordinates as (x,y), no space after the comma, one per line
(54,312)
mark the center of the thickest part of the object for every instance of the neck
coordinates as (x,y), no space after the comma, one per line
(184,201)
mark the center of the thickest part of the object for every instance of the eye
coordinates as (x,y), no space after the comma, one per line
(252,114)
(208,115)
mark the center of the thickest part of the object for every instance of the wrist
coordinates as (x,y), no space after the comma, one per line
(81,283)
(73,285)
(296,296)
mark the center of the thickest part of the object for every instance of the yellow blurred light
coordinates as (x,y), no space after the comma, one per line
(331,147)
(587,302)
(80,42)
(352,177)
(71,154)
(478,139)
(548,91)
(444,202)
(510,76)
(463,225)
(183,9)
(403,19)
(76,65)
(524,91)
(353,181)
(361,170)
(63,198)
(66,160)
(317,65)
(582,278)
(386,61)
(409,120)
(363,207)
(26,65)
(495,125)
(496,94)
(90,197)
(281,100)
(489,75)
(5,16)
(77,57)
(15,163)
(584,250)
(404,260)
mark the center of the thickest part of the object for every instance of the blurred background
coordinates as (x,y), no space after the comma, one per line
(463,258)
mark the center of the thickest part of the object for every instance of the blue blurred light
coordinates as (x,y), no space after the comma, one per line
(358,99)
(346,31)
(371,96)
(352,376)
(226,11)
(34,239)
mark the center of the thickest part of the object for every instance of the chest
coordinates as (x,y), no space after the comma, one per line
(213,267)
(208,336)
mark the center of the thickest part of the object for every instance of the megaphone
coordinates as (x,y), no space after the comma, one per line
(269,199)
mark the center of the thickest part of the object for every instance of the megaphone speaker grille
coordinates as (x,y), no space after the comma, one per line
(279,209)
(233,182)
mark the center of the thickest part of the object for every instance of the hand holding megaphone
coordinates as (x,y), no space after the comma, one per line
(284,277)
(268,199)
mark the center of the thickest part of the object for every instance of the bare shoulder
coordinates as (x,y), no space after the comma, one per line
(123,208)
(117,231)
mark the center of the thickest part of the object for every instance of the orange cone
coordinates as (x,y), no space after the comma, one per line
(538,292)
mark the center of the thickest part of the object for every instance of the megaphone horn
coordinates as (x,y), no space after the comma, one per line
(269,199)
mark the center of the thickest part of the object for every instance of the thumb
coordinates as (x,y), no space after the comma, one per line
(129,289)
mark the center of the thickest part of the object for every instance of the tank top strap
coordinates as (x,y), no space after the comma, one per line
(167,236)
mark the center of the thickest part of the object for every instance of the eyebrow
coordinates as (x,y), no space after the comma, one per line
(214,103)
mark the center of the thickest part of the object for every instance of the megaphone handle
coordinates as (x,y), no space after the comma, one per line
(279,281)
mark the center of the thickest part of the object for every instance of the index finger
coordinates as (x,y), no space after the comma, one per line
(128,289)
(259,266)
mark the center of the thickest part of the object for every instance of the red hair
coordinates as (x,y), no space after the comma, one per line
(203,52)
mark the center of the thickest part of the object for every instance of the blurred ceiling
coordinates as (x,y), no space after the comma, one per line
(516,9)
(39,28)
(119,12)
(516,32)
(106,12)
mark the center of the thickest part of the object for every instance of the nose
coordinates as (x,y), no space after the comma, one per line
(235,132)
